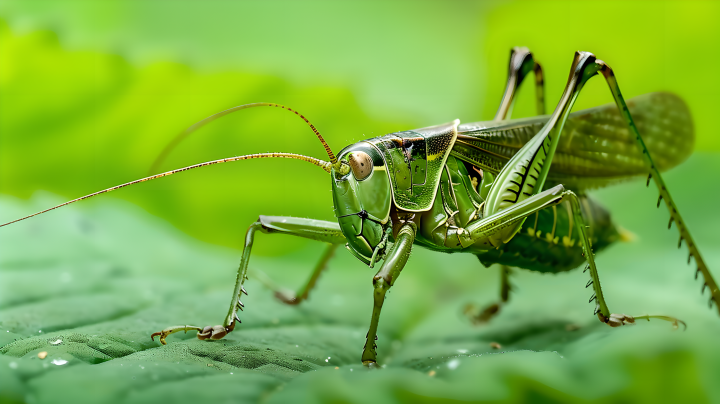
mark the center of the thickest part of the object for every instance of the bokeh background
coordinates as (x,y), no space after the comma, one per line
(91,92)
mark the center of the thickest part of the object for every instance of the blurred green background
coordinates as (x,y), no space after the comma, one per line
(91,91)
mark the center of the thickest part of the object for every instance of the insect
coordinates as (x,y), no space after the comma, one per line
(511,192)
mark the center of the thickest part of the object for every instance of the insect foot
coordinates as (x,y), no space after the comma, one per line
(287,297)
(478,316)
(172,330)
(616,320)
(217,332)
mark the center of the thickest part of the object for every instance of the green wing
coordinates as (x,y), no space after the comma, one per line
(596,148)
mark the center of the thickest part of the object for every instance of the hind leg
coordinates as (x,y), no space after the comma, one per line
(521,64)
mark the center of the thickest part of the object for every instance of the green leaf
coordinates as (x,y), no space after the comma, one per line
(89,284)
(92,92)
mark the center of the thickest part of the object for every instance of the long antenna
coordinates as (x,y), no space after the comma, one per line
(320,163)
(182,135)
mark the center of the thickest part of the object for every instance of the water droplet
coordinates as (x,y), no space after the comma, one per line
(59,362)
(56,342)
(453,364)
(13,365)
(463,351)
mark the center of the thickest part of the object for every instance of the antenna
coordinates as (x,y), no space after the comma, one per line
(184,134)
(320,163)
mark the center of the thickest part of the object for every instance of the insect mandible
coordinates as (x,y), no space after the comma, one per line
(509,191)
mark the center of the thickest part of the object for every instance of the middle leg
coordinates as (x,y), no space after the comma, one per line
(481,316)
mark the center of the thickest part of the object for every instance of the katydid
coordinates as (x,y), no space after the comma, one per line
(511,192)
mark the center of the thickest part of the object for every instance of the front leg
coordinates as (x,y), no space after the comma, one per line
(382,281)
(319,230)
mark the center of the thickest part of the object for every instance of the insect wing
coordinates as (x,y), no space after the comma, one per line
(596,148)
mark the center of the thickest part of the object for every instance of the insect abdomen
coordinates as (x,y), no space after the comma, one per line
(548,240)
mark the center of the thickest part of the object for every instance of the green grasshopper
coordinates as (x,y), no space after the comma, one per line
(500,189)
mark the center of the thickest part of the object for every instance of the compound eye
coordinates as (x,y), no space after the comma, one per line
(361,165)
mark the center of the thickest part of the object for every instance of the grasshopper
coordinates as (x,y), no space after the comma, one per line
(511,192)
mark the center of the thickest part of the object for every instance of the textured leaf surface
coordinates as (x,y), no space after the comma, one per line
(89,283)
(92,91)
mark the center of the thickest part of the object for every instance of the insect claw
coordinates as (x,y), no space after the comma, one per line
(659,199)
(702,290)
(680,241)
(710,302)
(648,180)
(240,305)
(242,289)
(697,273)
(237,318)
(586,268)
(590,282)
(670,222)
(597,309)
(593,297)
